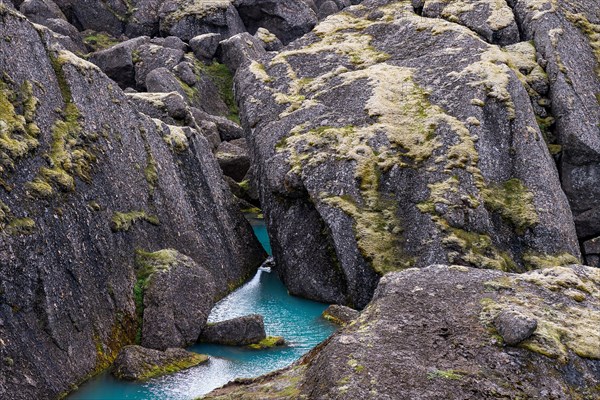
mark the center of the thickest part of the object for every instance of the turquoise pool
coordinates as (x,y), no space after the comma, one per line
(296,319)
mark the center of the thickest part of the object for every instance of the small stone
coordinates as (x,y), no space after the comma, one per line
(514,327)
(340,315)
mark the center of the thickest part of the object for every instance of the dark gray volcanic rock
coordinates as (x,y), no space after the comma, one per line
(189,18)
(433,155)
(85,180)
(240,50)
(136,363)
(240,331)
(178,295)
(118,61)
(565,34)
(39,11)
(233,158)
(286,19)
(428,334)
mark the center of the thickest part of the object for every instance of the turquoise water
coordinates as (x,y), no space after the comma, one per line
(297,320)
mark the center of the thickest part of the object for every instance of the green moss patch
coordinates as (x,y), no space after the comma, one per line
(99,41)
(267,343)
(122,222)
(176,366)
(514,202)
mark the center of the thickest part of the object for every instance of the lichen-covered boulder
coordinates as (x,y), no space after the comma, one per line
(149,57)
(136,363)
(340,315)
(240,50)
(385,140)
(430,334)
(175,295)
(239,331)
(118,61)
(85,181)
(205,46)
(187,19)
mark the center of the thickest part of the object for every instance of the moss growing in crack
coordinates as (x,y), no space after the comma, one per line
(20,226)
(222,77)
(151,172)
(18,131)
(99,41)
(122,222)
(541,261)
(514,202)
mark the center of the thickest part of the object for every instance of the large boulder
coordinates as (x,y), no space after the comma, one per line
(103,16)
(149,57)
(136,363)
(85,181)
(384,140)
(39,11)
(118,62)
(430,334)
(177,296)
(286,19)
(187,19)
(239,331)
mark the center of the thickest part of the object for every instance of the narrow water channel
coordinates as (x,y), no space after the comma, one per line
(297,320)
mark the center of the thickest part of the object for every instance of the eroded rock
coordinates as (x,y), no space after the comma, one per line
(240,331)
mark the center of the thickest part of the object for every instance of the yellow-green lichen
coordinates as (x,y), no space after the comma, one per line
(541,261)
(514,202)
(568,325)
(267,343)
(122,222)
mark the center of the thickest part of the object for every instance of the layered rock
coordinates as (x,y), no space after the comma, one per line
(85,181)
(434,155)
(430,333)
(136,363)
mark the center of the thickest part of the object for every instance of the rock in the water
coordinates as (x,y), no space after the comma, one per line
(514,327)
(240,331)
(340,315)
(429,334)
(136,363)
(177,296)
(427,105)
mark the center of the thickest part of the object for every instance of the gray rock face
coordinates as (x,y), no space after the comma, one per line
(428,106)
(136,363)
(563,33)
(150,57)
(103,16)
(287,19)
(270,41)
(178,295)
(428,334)
(340,315)
(240,331)
(87,181)
(514,327)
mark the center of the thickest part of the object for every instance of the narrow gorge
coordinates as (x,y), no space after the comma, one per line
(299,199)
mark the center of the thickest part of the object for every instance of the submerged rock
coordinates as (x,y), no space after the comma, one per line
(239,331)
(429,334)
(379,99)
(340,315)
(136,363)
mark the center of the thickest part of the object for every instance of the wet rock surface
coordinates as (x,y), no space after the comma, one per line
(136,363)
(429,334)
(240,331)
